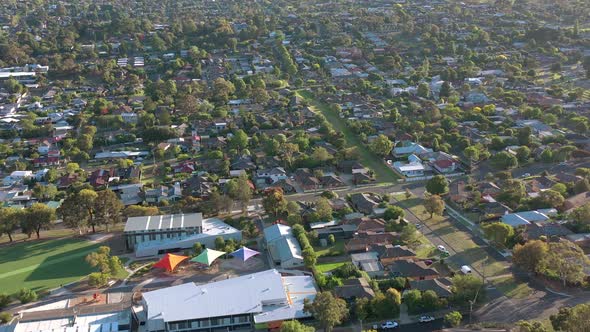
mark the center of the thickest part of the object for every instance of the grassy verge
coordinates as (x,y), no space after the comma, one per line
(382,172)
(512,288)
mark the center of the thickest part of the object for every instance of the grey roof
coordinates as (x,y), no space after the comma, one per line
(527,217)
(265,294)
(163,222)
(275,232)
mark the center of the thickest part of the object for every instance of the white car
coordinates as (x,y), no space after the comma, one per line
(426,319)
(465,269)
(389,325)
(442,249)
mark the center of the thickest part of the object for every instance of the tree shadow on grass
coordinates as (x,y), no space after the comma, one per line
(32,248)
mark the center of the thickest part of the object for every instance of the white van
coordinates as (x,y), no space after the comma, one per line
(466,269)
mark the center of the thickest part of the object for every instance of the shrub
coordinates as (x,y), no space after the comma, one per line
(5,317)
(98,279)
(26,295)
(453,318)
(4,300)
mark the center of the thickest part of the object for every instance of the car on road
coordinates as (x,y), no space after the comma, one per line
(426,319)
(525,175)
(389,325)
(442,248)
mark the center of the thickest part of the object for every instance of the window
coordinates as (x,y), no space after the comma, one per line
(215,321)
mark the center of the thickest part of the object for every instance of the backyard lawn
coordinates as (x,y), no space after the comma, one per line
(368,158)
(327,267)
(43,265)
(334,250)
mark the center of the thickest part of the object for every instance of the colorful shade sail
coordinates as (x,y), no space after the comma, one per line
(170,261)
(208,256)
(244,253)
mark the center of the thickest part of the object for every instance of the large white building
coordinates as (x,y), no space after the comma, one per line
(156,235)
(261,300)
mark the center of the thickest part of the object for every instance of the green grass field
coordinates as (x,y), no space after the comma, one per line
(368,158)
(43,265)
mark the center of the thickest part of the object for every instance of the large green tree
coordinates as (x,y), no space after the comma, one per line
(438,185)
(327,309)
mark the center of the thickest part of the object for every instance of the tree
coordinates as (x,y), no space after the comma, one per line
(413,299)
(26,295)
(72,168)
(523,154)
(446,90)
(572,319)
(393,212)
(321,155)
(566,260)
(438,185)
(4,300)
(197,248)
(472,153)
(466,288)
(138,211)
(423,90)
(5,317)
(528,256)
(453,318)
(362,308)
(98,279)
(107,208)
(219,243)
(430,301)
(240,190)
(498,232)
(433,204)
(524,136)
(327,309)
(580,217)
(274,202)
(323,209)
(551,198)
(102,259)
(239,140)
(44,192)
(530,326)
(9,221)
(37,217)
(409,234)
(394,299)
(504,160)
(295,326)
(309,257)
(381,145)
(73,214)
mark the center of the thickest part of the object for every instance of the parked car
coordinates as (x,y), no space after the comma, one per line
(428,262)
(389,325)
(465,269)
(426,319)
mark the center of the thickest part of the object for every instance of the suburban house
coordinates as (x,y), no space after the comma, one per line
(363,202)
(263,299)
(353,289)
(406,148)
(363,241)
(368,262)
(273,174)
(441,286)
(388,253)
(411,270)
(283,247)
(528,217)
